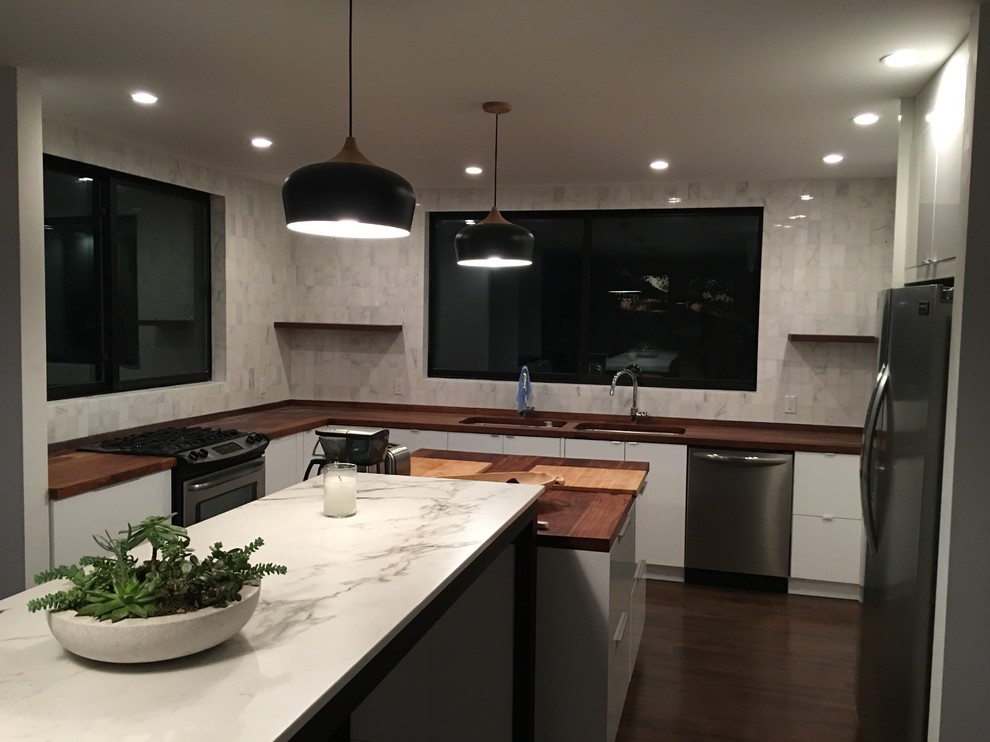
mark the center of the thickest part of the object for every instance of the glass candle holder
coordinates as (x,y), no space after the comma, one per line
(339,490)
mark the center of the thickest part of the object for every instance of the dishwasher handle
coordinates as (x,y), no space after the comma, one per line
(743,459)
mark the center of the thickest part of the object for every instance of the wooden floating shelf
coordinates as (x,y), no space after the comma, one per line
(336,326)
(867,339)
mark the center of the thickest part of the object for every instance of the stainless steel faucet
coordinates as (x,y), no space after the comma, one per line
(631,372)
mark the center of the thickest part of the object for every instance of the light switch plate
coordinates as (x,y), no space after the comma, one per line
(398,387)
(790,404)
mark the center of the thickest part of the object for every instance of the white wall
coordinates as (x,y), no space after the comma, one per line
(251,280)
(820,274)
(23,497)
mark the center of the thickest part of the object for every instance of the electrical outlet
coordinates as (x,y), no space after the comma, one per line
(790,404)
(398,386)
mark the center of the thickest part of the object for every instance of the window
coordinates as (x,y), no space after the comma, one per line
(127,281)
(674,292)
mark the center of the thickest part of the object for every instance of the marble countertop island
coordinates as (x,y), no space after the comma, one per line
(353,586)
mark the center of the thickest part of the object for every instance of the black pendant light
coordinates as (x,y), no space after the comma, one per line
(348,196)
(494,242)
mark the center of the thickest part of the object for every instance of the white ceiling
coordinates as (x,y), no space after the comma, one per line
(723,89)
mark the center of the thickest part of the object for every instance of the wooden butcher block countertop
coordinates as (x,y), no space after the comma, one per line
(71,472)
(586,512)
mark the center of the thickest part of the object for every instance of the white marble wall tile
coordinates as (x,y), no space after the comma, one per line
(251,264)
(820,274)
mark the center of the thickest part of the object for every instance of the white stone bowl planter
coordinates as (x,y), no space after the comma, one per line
(152,639)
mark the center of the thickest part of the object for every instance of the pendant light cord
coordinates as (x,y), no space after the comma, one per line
(350,68)
(495,187)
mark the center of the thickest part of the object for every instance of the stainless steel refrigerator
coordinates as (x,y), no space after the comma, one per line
(900,481)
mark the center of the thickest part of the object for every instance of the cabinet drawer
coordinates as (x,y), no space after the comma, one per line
(579,448)
(477,442)
(416,439)
(530,445)
(828,550)
(826,484)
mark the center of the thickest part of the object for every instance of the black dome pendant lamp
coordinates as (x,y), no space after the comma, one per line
(348,196)
(494,242)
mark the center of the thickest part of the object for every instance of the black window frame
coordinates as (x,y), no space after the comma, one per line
(586,216)
(105,181)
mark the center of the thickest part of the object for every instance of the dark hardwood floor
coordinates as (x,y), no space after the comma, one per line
(724,665)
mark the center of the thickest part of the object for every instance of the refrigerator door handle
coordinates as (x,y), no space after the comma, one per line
(866,455)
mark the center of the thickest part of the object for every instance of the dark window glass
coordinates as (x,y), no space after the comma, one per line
(488,321)
(127,282)
(674,292)
(73,309)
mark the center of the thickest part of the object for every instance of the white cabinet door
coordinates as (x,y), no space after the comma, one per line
(74,520)
(580,448)
(662,506)
(829,550)
(826,484)
(305,443)
(531,445)
(477,442)
(416,439)
(282,463)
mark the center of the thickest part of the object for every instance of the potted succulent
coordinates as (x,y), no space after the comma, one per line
(121,609)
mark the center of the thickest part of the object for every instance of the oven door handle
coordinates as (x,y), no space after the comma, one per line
(226,475)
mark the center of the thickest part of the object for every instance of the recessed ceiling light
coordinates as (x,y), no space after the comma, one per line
(832,159)
(866,119)
(144,98)
(901,58)
(797,216)
(84,179)
(659,164)
(261,142)
(806,197)
(778,225)
(469,221)
(674,200)
(473,170)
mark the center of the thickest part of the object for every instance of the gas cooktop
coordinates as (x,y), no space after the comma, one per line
(188,445)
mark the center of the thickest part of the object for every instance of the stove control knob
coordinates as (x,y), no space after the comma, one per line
(203,453)
(249,439)
(193,455)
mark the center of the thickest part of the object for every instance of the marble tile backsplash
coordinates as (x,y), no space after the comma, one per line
(821,274)
(251,281)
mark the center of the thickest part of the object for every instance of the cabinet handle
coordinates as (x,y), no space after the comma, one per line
(616,443)
(640,570)
(827,516)
(620,629)
(510,436)
(633,443)
(494,435)
(413,430)
(625,525)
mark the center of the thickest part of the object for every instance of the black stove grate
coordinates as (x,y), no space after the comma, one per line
(167,441)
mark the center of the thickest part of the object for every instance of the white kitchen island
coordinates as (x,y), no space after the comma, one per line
(359,593)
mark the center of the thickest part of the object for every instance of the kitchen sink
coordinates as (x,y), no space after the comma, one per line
(649,428)
(514,422)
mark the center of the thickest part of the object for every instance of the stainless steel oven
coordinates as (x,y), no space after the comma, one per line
(206,495)
(215,470)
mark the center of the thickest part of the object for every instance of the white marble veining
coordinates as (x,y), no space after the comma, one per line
(352,584)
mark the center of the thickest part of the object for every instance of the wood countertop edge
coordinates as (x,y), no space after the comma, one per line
(601,544)
(143,466)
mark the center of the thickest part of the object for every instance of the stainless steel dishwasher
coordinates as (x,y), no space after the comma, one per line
(738,529)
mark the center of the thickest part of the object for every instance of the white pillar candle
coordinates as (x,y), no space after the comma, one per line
(339,495)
